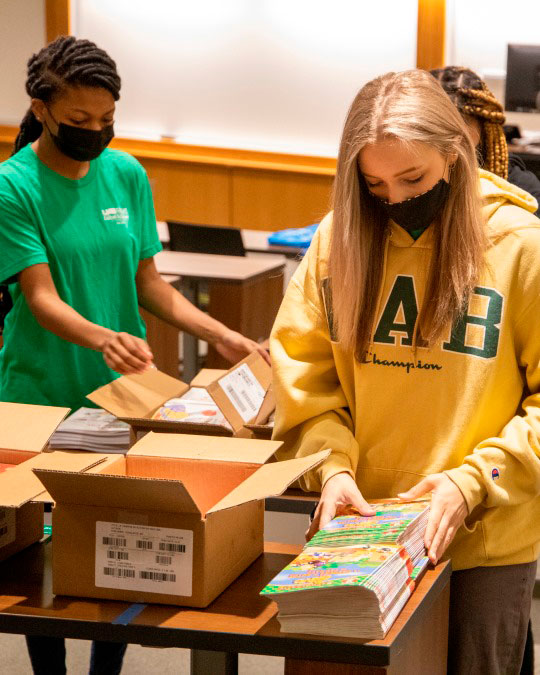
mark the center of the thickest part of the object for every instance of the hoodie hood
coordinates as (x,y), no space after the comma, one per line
(500,201)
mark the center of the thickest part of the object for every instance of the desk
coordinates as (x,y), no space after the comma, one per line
(238,621)
(255,241)
(245,294)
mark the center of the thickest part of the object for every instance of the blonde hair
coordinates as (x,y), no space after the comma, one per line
(411,107)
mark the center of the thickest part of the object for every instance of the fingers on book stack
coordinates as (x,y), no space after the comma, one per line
(355,575)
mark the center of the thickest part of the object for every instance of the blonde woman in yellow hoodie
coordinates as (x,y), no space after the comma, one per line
(408,343)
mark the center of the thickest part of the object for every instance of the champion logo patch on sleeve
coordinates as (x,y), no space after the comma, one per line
(495,474)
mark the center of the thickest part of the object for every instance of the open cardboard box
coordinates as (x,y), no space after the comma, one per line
(175,521)
(25,431)
(136,398)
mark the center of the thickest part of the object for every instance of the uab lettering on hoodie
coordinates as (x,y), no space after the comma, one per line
(400,314)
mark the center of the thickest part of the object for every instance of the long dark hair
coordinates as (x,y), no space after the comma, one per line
(65,62)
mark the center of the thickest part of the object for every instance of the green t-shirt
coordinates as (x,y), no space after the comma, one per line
(92,233)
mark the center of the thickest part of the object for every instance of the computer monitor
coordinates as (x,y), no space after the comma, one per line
(523,78)
(205,239)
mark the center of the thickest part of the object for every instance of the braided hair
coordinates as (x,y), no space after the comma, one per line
(470,94)
(63,63)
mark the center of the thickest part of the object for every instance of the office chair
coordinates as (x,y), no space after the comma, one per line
(205,239)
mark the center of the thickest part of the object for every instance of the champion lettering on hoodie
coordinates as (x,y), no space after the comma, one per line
(469,406)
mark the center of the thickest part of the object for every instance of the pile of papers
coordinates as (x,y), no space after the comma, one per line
(92,429)
(195,406)
(355,575)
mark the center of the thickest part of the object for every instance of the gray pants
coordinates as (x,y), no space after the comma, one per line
(489,613)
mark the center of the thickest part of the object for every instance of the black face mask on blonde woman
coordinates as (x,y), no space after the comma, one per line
(418,212)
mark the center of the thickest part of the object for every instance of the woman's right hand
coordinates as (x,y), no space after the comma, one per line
(337,492)
(127,354)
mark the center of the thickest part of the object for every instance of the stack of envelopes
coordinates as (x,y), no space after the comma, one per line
(92,429)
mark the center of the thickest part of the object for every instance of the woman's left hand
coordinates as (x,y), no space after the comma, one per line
(234,347)
(447,513)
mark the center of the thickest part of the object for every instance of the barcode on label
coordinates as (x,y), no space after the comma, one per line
(174,548)
(236,398)
(3,530)
(118,572)
(145,545)
(157,576)
(164,559)
(118,555)
(114,541)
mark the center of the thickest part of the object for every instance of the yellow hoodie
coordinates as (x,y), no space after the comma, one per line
(470,406)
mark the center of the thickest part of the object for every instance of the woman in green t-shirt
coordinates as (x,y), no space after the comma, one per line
(77,235)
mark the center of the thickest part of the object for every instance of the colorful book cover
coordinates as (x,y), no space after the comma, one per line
(195,406)
(389,523)
(317,568)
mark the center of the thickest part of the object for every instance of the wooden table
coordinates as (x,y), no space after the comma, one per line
(245,294)
(238,621)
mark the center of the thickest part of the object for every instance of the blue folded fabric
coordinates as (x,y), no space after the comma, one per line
(295,236)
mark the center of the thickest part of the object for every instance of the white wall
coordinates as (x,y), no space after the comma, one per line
(22,33)
(268,74)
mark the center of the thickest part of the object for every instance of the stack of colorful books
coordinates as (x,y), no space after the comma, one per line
(355,575)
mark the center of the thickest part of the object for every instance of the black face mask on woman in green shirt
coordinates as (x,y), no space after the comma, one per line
(81,144)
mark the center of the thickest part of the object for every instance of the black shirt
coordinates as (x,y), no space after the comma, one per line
(526,180)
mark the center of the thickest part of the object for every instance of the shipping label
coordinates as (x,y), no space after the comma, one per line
(144,558)
(244,391)
(7,526)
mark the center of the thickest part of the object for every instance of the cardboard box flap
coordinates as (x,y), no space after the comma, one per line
(138,395)
(270,480)
(19,484)
(123,492)
(267,408)
(187,446)
(241,391)
(28,427)
(206,376)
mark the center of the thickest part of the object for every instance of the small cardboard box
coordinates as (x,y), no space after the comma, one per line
(24,433)
(136,398)
(175,521)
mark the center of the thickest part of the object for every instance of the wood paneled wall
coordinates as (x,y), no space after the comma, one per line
(214,186)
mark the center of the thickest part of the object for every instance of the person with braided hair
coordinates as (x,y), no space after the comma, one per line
(78,235)
(485,118)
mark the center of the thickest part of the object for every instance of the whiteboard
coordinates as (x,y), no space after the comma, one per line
(275,75)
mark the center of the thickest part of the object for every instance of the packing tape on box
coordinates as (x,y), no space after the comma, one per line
(132,612)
